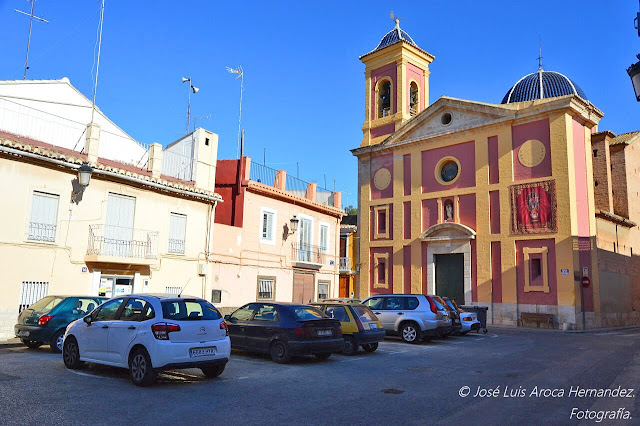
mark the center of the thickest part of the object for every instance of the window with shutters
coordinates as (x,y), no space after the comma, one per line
(266,288)
(177,231)
(44,216)
(323,290)
(31,292)
(267,226)
(324,237)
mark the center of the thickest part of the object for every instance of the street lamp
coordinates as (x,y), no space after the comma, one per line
(634,73)
(84,176)
(294,224)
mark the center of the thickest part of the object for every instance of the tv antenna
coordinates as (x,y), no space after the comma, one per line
(395,18)
(240,76)
(204,117)
(31,17)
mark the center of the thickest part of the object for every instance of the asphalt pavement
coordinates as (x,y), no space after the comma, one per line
(507,376)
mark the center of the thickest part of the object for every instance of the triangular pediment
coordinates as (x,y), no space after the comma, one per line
(463,115)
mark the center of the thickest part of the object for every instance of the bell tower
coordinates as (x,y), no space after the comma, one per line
(396,84)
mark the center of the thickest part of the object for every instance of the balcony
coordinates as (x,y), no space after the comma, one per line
(115,244)
(308,256)
(345,264)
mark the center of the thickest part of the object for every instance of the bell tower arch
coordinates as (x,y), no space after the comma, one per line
(396,84)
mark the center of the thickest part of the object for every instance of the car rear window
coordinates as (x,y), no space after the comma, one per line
(303,313)
(365,314)
(189,310)
(46,304)
(439,302)
(448,302)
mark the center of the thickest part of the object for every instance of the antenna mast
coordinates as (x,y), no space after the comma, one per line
(240,73)
(31,16)
(95,84)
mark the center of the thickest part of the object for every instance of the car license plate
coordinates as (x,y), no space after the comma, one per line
(202,352)
(373,326)
(23,333)
(327,332)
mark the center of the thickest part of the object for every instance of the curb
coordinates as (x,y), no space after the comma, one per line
(11,343)
(590,330)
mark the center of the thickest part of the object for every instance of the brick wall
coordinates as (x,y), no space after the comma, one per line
(601,176)
(619,180)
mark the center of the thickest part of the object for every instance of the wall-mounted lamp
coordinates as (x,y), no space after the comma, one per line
(634,73)
(294,224)
(84,177)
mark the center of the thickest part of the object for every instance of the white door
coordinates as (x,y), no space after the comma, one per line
(304,254)
(118,229)
(93,338)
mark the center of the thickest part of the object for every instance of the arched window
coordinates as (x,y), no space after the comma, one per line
(414,100)
(384,99)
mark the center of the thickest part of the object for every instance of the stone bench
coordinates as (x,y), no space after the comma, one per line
(537,318)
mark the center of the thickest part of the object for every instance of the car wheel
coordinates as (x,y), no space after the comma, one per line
(71,354)
(370,347)
(213,371)
(31,344)
(280,353)
(323,355)
(350,346)
(56,342)
(410,332)
(140,369)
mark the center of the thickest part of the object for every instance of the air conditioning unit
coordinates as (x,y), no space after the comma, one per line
(202,269)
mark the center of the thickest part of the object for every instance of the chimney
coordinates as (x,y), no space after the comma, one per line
(92,141)
(155,160)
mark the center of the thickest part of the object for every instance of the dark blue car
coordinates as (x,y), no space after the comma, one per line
(45,321)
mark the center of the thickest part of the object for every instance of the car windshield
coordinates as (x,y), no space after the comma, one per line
(47,304)
(303,313)
(189,310)
(365,313)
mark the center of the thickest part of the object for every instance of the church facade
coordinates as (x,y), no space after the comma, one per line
(490,204)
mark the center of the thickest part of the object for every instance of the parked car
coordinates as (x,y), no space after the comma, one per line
(454,313)
(147,333)
(412,316)
(342,300)
(45,321)
(469,321)
(284,330)
(360,326)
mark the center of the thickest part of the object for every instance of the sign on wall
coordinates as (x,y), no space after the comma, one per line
(533,208)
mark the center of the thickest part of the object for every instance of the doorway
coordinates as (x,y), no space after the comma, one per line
(114,286)
(303,287)
(450,276)
(344,287)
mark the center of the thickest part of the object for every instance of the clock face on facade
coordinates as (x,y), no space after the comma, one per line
(531,153)
(382,178)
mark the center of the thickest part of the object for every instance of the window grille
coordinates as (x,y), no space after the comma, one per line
(323,290)
(173,290)
(265,288)
(44,215)
(31,292)
(177,230)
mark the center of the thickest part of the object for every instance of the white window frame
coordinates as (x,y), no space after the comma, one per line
(262,279)
(323,282)
(274,221)
(301,255)
(45,194)
(320,226)
(184,236)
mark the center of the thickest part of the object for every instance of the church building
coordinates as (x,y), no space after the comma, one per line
(490,204)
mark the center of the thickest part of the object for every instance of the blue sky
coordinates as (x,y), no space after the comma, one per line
(304,85)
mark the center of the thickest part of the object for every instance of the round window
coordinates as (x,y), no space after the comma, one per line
(446,118)
(449,171)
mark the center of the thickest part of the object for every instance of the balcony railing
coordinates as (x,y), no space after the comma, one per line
(345,264)
(41,232)
(309,254)
(116,241)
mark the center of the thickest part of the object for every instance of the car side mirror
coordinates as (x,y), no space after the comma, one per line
(87,319)
(227,317)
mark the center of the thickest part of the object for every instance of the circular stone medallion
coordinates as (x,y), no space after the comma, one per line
(382,178)
(531,153)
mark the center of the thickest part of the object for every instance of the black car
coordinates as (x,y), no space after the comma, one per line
(45,321)
(454,312)
(284,330)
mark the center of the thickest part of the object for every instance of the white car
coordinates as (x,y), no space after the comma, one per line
(469,321)
(147,333)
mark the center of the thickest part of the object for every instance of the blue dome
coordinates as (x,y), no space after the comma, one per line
(394,36)
(542,85)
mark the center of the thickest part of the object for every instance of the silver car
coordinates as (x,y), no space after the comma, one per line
(412,316)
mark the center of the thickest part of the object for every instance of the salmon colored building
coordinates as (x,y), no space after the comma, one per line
(491,204)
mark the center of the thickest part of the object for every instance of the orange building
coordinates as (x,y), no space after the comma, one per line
(491,204)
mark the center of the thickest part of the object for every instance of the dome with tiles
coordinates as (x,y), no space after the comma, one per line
(542,85)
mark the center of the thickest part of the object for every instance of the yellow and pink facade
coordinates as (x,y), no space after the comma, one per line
(492,204)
